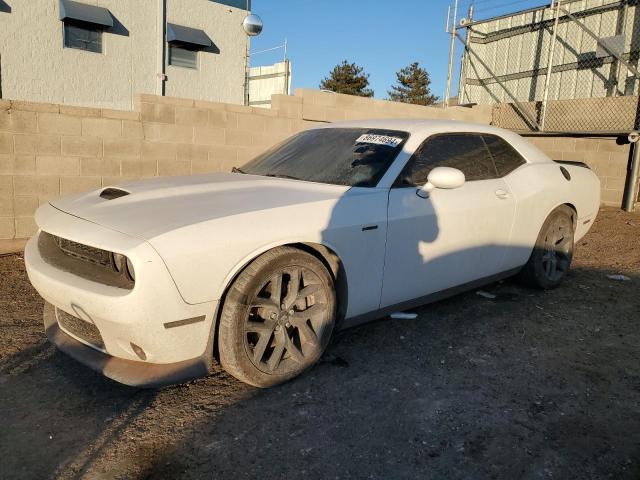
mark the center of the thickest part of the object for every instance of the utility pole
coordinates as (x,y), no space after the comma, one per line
(246,73)
(246,65)
(462,84)
(451,50)
(286,70)
(161,25)
(547,80)
(252,26)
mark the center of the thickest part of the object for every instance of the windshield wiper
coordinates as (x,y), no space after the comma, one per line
(236,170)
(282,175)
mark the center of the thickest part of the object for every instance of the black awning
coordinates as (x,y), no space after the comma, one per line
(81,12)
(188,36)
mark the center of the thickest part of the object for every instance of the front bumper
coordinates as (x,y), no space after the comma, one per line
(128,372)
(150,316)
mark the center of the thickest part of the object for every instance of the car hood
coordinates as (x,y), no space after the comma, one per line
(152,207)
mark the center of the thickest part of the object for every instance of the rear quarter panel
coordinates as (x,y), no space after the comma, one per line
(538,189)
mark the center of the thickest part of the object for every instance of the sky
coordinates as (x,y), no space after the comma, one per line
(380,35)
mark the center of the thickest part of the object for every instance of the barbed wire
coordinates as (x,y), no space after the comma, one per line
(480,7)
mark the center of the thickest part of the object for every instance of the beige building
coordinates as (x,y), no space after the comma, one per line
(100,53)
(268,80)
(510,53)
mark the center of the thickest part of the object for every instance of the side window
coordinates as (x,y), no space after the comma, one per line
(506,158)
(464,151)
(183,57)
(82,37)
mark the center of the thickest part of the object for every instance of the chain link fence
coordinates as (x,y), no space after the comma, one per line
(568,67)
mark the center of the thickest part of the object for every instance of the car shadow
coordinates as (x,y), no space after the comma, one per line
(474,387)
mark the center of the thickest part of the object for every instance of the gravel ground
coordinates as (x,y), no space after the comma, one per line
(528,385)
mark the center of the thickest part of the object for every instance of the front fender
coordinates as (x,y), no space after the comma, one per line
(204,258)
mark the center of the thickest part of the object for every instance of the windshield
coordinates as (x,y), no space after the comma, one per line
(356,157)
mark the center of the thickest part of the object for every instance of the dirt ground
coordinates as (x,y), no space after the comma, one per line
(530,385)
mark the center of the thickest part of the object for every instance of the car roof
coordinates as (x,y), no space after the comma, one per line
(426,127)
(418,125)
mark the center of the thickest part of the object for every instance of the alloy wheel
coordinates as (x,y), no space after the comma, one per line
(558,242)
(287,320)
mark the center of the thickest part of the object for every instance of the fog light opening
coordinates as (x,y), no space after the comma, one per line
(138,351)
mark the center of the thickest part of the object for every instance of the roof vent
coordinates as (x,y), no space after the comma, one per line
(113,193)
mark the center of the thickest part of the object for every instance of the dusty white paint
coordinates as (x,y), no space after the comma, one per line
(188,237)
(34,66)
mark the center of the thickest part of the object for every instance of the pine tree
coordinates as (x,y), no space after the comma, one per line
(413,86)
(348,78)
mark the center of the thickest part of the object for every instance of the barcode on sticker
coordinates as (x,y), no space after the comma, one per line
(379,140)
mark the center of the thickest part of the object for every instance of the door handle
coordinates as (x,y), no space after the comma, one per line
(502,194)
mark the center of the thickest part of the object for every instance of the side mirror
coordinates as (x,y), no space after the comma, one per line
(441,177)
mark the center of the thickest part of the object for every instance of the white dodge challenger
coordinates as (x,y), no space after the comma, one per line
(149,281)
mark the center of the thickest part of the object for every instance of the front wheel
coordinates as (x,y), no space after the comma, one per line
(551,258)
(277,318)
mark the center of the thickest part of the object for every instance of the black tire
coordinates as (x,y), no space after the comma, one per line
(272,330)
(551,257)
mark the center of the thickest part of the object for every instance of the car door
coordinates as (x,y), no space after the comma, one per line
(453,237)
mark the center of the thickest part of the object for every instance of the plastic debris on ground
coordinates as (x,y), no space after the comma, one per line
(404,316)
(619,277)
(484,294)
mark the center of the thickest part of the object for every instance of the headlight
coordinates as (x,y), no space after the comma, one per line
(123,265)
(118,261)
(130,272)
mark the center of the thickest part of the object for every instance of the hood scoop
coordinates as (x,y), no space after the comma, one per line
(113,193)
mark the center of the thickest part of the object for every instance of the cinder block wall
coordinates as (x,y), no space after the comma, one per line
(329,107)
(50,150)
(604,155)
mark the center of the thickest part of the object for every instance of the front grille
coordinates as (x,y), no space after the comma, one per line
(82,260)
(79,328)
(84,252)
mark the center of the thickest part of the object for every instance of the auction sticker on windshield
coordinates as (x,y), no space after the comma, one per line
(379,140)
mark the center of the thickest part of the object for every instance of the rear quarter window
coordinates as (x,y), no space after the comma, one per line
(505,157)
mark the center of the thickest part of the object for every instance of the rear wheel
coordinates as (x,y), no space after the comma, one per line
(551,258)
(277,318)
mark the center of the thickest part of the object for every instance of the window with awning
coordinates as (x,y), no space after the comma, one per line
(184,44)
(83,13)
(83,25)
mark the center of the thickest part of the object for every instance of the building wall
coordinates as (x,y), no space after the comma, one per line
(35,67)
(48,150)
(220,76)
(511,49)
(268,80)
